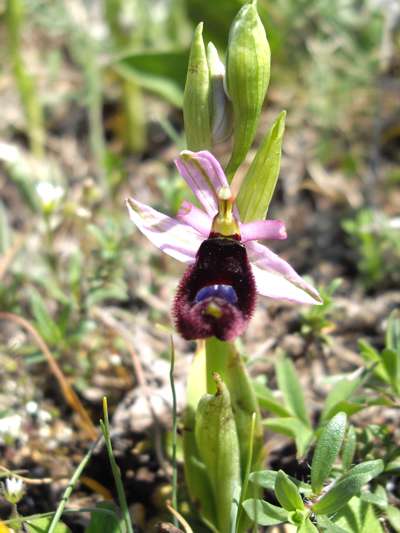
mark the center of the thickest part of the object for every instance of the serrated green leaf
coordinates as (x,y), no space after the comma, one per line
(258,186)
(349,448)
(287,493)
(294,428)
(348,486)
(291,389)
(264,513)
(268,401)
(41,525)
(267,478)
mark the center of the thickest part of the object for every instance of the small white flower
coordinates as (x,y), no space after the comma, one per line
(13,489)
(49,194)
(10,427)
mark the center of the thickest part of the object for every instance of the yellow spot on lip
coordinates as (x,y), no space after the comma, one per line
(213,310)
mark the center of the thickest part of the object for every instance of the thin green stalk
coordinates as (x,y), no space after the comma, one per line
(247,473)
(71,485)
(174,434)
(24,81)
(105,428)
(217,356)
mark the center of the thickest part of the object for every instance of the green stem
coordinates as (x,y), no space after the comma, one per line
(71,485)
(105,428)
(174,435)
(217,357)
(25,82)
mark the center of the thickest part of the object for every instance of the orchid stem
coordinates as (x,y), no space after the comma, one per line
(217,356)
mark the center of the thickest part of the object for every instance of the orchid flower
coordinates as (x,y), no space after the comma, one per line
(216,295)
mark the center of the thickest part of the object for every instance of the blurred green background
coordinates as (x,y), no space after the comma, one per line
(91,95)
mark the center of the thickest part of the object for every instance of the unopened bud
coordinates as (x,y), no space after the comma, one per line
(196,105)
(221,106)
(247,74)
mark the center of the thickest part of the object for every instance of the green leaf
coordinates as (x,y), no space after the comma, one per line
(393,331)
(101,522)
(393,515)
(328,526)
(341,392)
(267,400)
(267,478)
(348,486)
(264,513)
(259,183)
(47,327)
(41,525)
(307,527)
(349,448)
(287,493)
(326,450)
(291,389)
(378,497)
(358,517)
(391,364)
(294,428)
(162,73)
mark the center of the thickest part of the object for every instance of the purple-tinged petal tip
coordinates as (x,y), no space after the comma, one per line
(276,279)
(204,175)
(172,237)
(263,230)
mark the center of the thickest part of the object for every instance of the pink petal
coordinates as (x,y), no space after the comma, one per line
(205,177)
(277,279)
(263,229)
(195,217)
(172,237)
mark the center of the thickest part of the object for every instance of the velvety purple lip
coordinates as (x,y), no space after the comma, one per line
(226,292)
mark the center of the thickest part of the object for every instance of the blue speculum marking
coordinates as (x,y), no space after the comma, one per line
(226,292)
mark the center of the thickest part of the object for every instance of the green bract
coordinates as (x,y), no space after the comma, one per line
(218,445)
(196,105)
(259,183)
(247,73)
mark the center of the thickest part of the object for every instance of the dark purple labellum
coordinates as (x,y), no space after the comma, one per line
(216,295)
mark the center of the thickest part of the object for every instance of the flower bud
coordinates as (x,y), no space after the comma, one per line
(221,106)
(196,105)
(248,70)
(218,446)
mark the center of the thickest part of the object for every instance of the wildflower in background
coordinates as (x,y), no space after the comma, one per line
(216,296)
(49,195)
(13,489)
